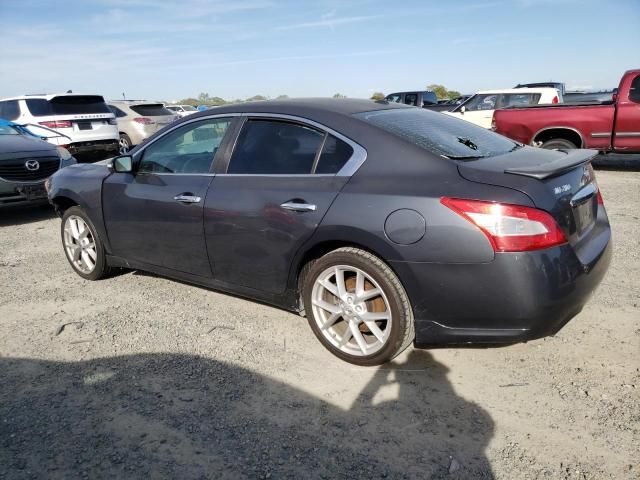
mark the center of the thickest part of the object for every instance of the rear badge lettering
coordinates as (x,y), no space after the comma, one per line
(561,189)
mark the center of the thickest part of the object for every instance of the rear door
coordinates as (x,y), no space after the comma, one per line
(627,120)
(273,192)
(154,215)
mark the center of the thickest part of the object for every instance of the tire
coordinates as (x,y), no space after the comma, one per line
(558,144)
(384,320)
(84,251)
(124,143)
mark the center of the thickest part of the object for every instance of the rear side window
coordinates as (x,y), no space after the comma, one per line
(481,102)
(634,90)
(440,134)
(117,112)
(335,153)
(67,105)
(518,99)
(9,110)
(275,147)
(411,99)
(151,110)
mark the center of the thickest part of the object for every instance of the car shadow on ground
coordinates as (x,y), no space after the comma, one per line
(184,416)
(25,214)
(621,162)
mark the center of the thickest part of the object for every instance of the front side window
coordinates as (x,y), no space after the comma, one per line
(188,149)
(481,102)
(634,90)
(9,110)
(395,98)
(275,147)
(411,99)
(440,134)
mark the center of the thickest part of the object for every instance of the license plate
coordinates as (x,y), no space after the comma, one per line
(584,215)
(84,126)
(33,192)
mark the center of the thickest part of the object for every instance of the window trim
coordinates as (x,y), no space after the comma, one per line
(636,99)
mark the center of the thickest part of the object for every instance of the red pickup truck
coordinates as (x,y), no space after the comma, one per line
(612,126)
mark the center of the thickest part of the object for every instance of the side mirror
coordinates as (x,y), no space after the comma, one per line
(463,109)
(123,164)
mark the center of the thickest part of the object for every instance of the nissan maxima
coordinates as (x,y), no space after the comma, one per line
(383,224)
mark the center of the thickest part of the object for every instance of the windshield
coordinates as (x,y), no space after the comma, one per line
(440,134)
(8,130)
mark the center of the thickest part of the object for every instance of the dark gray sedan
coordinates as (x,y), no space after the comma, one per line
(384,224)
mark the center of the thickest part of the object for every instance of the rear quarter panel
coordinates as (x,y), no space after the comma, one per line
(524,124)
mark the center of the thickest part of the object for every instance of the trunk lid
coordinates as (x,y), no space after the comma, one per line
(557,181)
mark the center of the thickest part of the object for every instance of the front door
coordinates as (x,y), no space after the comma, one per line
(478,110)
(155,215)
(279,183)
(627,127)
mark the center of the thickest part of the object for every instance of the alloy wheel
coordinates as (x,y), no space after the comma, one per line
(123,146)
(80,244)
(351,310)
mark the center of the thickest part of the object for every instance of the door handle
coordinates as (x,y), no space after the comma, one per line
(184,198)
(299,207)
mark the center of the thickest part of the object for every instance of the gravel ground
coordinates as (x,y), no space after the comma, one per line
(138,376)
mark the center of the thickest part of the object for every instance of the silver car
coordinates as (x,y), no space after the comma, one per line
(138,120)
(182,110)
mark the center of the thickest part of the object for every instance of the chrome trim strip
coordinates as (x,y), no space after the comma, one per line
(627,134)
(178,174)
(350,167)
(533,138)
(601,134)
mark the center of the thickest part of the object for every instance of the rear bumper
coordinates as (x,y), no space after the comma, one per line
(515,298)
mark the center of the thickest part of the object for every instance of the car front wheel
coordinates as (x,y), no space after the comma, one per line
(357,307)
(82,246)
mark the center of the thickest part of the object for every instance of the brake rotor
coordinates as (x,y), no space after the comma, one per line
(374,305)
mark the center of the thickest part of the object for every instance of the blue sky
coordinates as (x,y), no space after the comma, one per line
(239,48)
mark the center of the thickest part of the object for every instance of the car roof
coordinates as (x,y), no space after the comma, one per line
(49,96)
(305,107)
(133,102)
(521,90)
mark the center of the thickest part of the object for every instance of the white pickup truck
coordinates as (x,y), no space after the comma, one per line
(480,107)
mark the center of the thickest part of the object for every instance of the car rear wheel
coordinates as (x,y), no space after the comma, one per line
(124,144)
(82,246)
(357,307)
(558,144)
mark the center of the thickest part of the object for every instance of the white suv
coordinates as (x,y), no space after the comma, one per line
(85,122)
(480,107)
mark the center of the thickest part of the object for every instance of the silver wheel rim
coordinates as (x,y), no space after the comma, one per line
(124,146)
(351,310)
(79,244)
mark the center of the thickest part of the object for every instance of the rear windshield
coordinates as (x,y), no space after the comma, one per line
(439,133)
(151,110)
(67,105)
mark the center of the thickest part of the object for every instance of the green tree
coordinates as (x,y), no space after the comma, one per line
(453,94)
(194,102)
(377,96)
(440,91)
(282,97)
(339,95)
(256,98)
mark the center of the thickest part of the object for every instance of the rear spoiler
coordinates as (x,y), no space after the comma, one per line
(546,170)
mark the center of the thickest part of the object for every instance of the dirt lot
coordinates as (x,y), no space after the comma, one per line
(142,377)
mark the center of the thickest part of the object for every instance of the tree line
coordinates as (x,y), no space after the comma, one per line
(205,99)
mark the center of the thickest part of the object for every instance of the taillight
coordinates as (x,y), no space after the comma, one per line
(144,120)
(57,124)
(599,197)
(509,228)
(555,99)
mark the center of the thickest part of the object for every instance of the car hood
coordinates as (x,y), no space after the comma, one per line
(23,143)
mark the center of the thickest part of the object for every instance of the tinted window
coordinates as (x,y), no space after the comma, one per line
(117,112)
(394,97)
(440,134)
(411,99)
(335,154)
(518,99)
(273,147)
(151,110)
(67,105)
(9,110)
(429,98)
(481,102)
(634,90)
(188,149)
